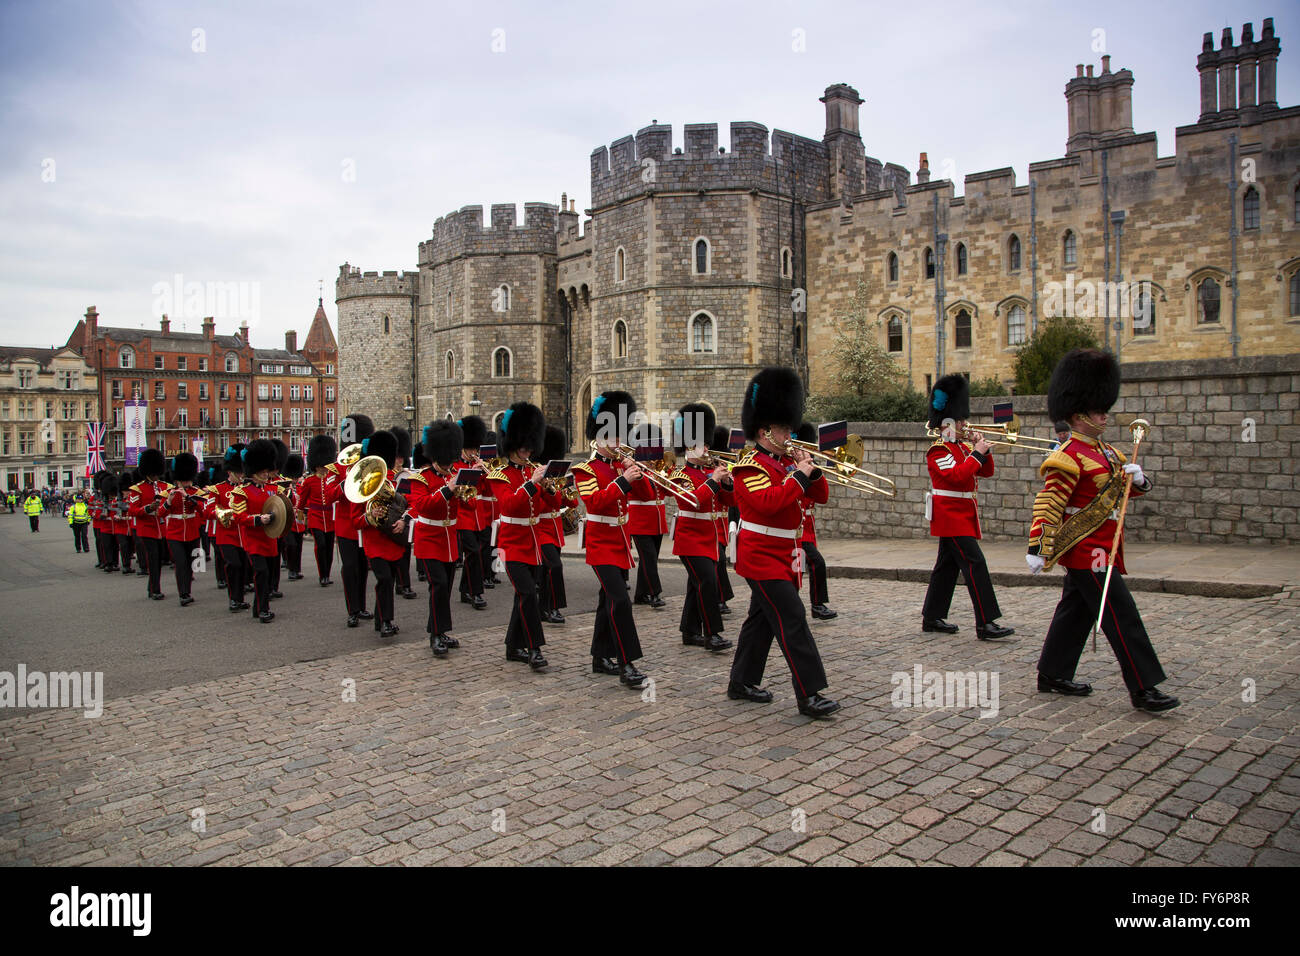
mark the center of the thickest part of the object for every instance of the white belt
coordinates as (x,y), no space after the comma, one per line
(952,494)
(790,533)
(648,504)
(608,519)
(1114,515)
(483,498)
(549,514)
(436,524)
(697,515)
(506,519)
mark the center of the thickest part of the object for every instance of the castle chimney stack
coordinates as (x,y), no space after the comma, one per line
(1207,64)
(291,341)
(1227,75)
(243,333)
(1247,65)
(92,327)
(1267,49)
(923,170)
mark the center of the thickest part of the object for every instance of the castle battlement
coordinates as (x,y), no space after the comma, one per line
(353,283)
(463,232)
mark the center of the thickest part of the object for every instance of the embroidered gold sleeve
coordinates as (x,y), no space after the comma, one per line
(1060,473)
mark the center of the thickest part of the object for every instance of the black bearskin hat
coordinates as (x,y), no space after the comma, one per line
(807,431)
(234,458)
(292,467)
(383,444)
(556,445)
(322,450)
(442,442)
(355,429)
(522,426)
(475,431)
(721,439)
(611,413)
(213,472)
(403,443)
(259,456)
(99,478)
(694,425)
(152,464)
(950,398)
(185,466)
(108,488)
(418,458)
(281,454)
(1085,380)
(774,397)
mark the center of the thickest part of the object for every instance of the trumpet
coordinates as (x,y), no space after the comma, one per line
(844,466)
(1009,432)
(675,484)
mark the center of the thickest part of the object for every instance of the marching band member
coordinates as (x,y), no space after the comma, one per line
(550,533)
(473,518)
(606,484)
(818,595)
(215,475)
(489,515)
(722,519)
(346,532)
(292,536)
(121,523)
(402,469)
(647,523)
(228,540)
(694,530)
(1074,525)
(101,523)
(322,452)
(182,512)
(381,551)
(955,468)
(281,484)
(247,502)
(145,499)
(518,489)
(432,506)
(769,486)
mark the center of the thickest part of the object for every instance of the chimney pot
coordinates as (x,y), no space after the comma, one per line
(1089,69)
(1078,70)
(1105,64)
(1207,43)
(1226,41)
(165,324)
(1248,33)
(1267,33)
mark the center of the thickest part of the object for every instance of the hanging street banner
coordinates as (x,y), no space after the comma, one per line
(137,411)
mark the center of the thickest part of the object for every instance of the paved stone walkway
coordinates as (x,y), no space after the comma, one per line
(475,760)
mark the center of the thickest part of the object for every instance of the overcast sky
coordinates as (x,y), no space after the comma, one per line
(283,139)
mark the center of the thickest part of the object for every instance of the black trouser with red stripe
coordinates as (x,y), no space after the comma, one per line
(182,554)
(440,575)
(236,571)
(775,610)
(153,548)
(402,566)
(700,614)
(815,570)
(355,572)
(471,576)
(724,580)
(291,550)
(261,565)
(385,582)
(552,595)
(525,630)
(615,632)
(961,554)
(324,551)
(485,553)
(1077,612)
(124,550)
(647,565)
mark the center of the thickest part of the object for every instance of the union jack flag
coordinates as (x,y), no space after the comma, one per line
(95,436)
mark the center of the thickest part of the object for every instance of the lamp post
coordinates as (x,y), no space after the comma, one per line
(1117,220)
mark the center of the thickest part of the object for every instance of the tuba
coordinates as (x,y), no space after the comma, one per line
(367,483)
(571,513)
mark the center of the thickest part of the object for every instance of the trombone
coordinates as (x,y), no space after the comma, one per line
(1009,433)
(665,482)
(843,466)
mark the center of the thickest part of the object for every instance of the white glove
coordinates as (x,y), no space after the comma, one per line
(1035,562)
(1134,469)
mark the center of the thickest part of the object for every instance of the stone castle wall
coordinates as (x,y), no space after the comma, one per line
(374,365)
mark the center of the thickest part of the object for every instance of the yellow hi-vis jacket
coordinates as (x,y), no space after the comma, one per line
(32,506)
(78,513)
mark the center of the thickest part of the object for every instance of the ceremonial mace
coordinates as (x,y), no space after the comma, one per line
(1139,428)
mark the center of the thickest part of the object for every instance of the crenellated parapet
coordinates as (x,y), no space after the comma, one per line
(464,232)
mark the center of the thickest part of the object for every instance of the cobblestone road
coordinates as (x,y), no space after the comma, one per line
(474,760)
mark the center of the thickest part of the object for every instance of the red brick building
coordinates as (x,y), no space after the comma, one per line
(201,385)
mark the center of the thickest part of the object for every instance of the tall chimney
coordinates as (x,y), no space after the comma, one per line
(1268,48)
(291,341)
(166,324)
(1207,64)
(1247,64)
(243,333)
(923,169)
(1227,74)
(209,328)
(92,327)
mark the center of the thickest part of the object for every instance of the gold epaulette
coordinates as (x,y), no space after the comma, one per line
(747,459)
(584,466)
(497,474)
(419,476)
(1058,460)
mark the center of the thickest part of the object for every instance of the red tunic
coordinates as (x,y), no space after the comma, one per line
(695,530)
(248,500)
(141,496)
(180,526)
(954,473)
(347,515)
(374,542)
(432,508)
(521,502)
(550,529)
(768,493)
(121,520)
(1074,475)
(310,498)
(605,493)
(646,515)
